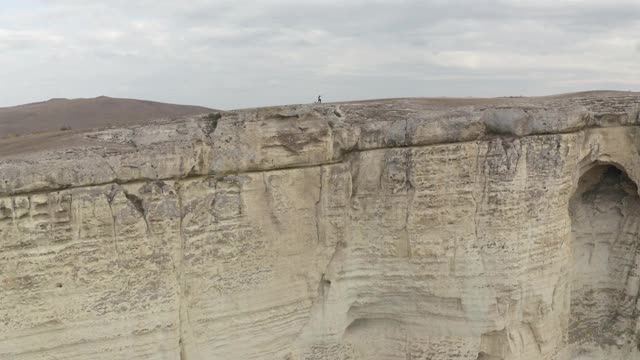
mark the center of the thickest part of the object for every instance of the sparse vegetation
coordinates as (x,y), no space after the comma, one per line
(212,122)
(65,128)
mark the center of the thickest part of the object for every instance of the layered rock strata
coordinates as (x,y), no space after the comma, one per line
(392,229)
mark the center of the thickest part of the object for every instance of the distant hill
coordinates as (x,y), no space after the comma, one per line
(77,114)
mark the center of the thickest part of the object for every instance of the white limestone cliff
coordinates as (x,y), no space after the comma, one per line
(400,229)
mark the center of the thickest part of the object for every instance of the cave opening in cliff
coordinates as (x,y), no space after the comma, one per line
(605,217)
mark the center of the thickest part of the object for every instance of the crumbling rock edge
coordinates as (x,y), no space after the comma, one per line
(299,136)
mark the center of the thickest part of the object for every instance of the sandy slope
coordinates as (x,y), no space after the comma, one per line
(78,114)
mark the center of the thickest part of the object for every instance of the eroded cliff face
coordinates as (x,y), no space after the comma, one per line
(604,290)
(406,229)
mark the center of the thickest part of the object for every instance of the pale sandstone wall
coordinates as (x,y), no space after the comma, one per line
(383,230)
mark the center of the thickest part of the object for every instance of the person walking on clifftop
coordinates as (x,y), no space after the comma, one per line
(319,99)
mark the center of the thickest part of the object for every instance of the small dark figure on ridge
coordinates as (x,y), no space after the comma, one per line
(319,99)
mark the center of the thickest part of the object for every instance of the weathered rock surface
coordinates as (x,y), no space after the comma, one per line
(397,229)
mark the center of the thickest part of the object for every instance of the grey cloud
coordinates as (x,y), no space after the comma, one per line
(11,40)
(231,53)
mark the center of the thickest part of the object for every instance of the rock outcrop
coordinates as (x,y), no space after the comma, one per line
(398,229)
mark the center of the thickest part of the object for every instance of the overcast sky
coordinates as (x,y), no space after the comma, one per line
(235,53)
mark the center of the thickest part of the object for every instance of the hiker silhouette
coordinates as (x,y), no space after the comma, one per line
(319,99)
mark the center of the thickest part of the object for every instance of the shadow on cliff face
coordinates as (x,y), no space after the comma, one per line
(605,215)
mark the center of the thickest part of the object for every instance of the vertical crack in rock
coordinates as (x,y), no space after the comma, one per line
(185,327)
(113,171)
(481,176)
(319,301)
(405,246)
(75,217)
(138,204)
(325,282)
(110,197)
(114,231)
(536,337)
(318,208)
(474,193)
(632,278)
(354,169)
(269,197)
(180,280)
(406,132)
(510,148)
(331,144)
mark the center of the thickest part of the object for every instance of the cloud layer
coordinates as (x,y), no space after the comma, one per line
(240,53)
